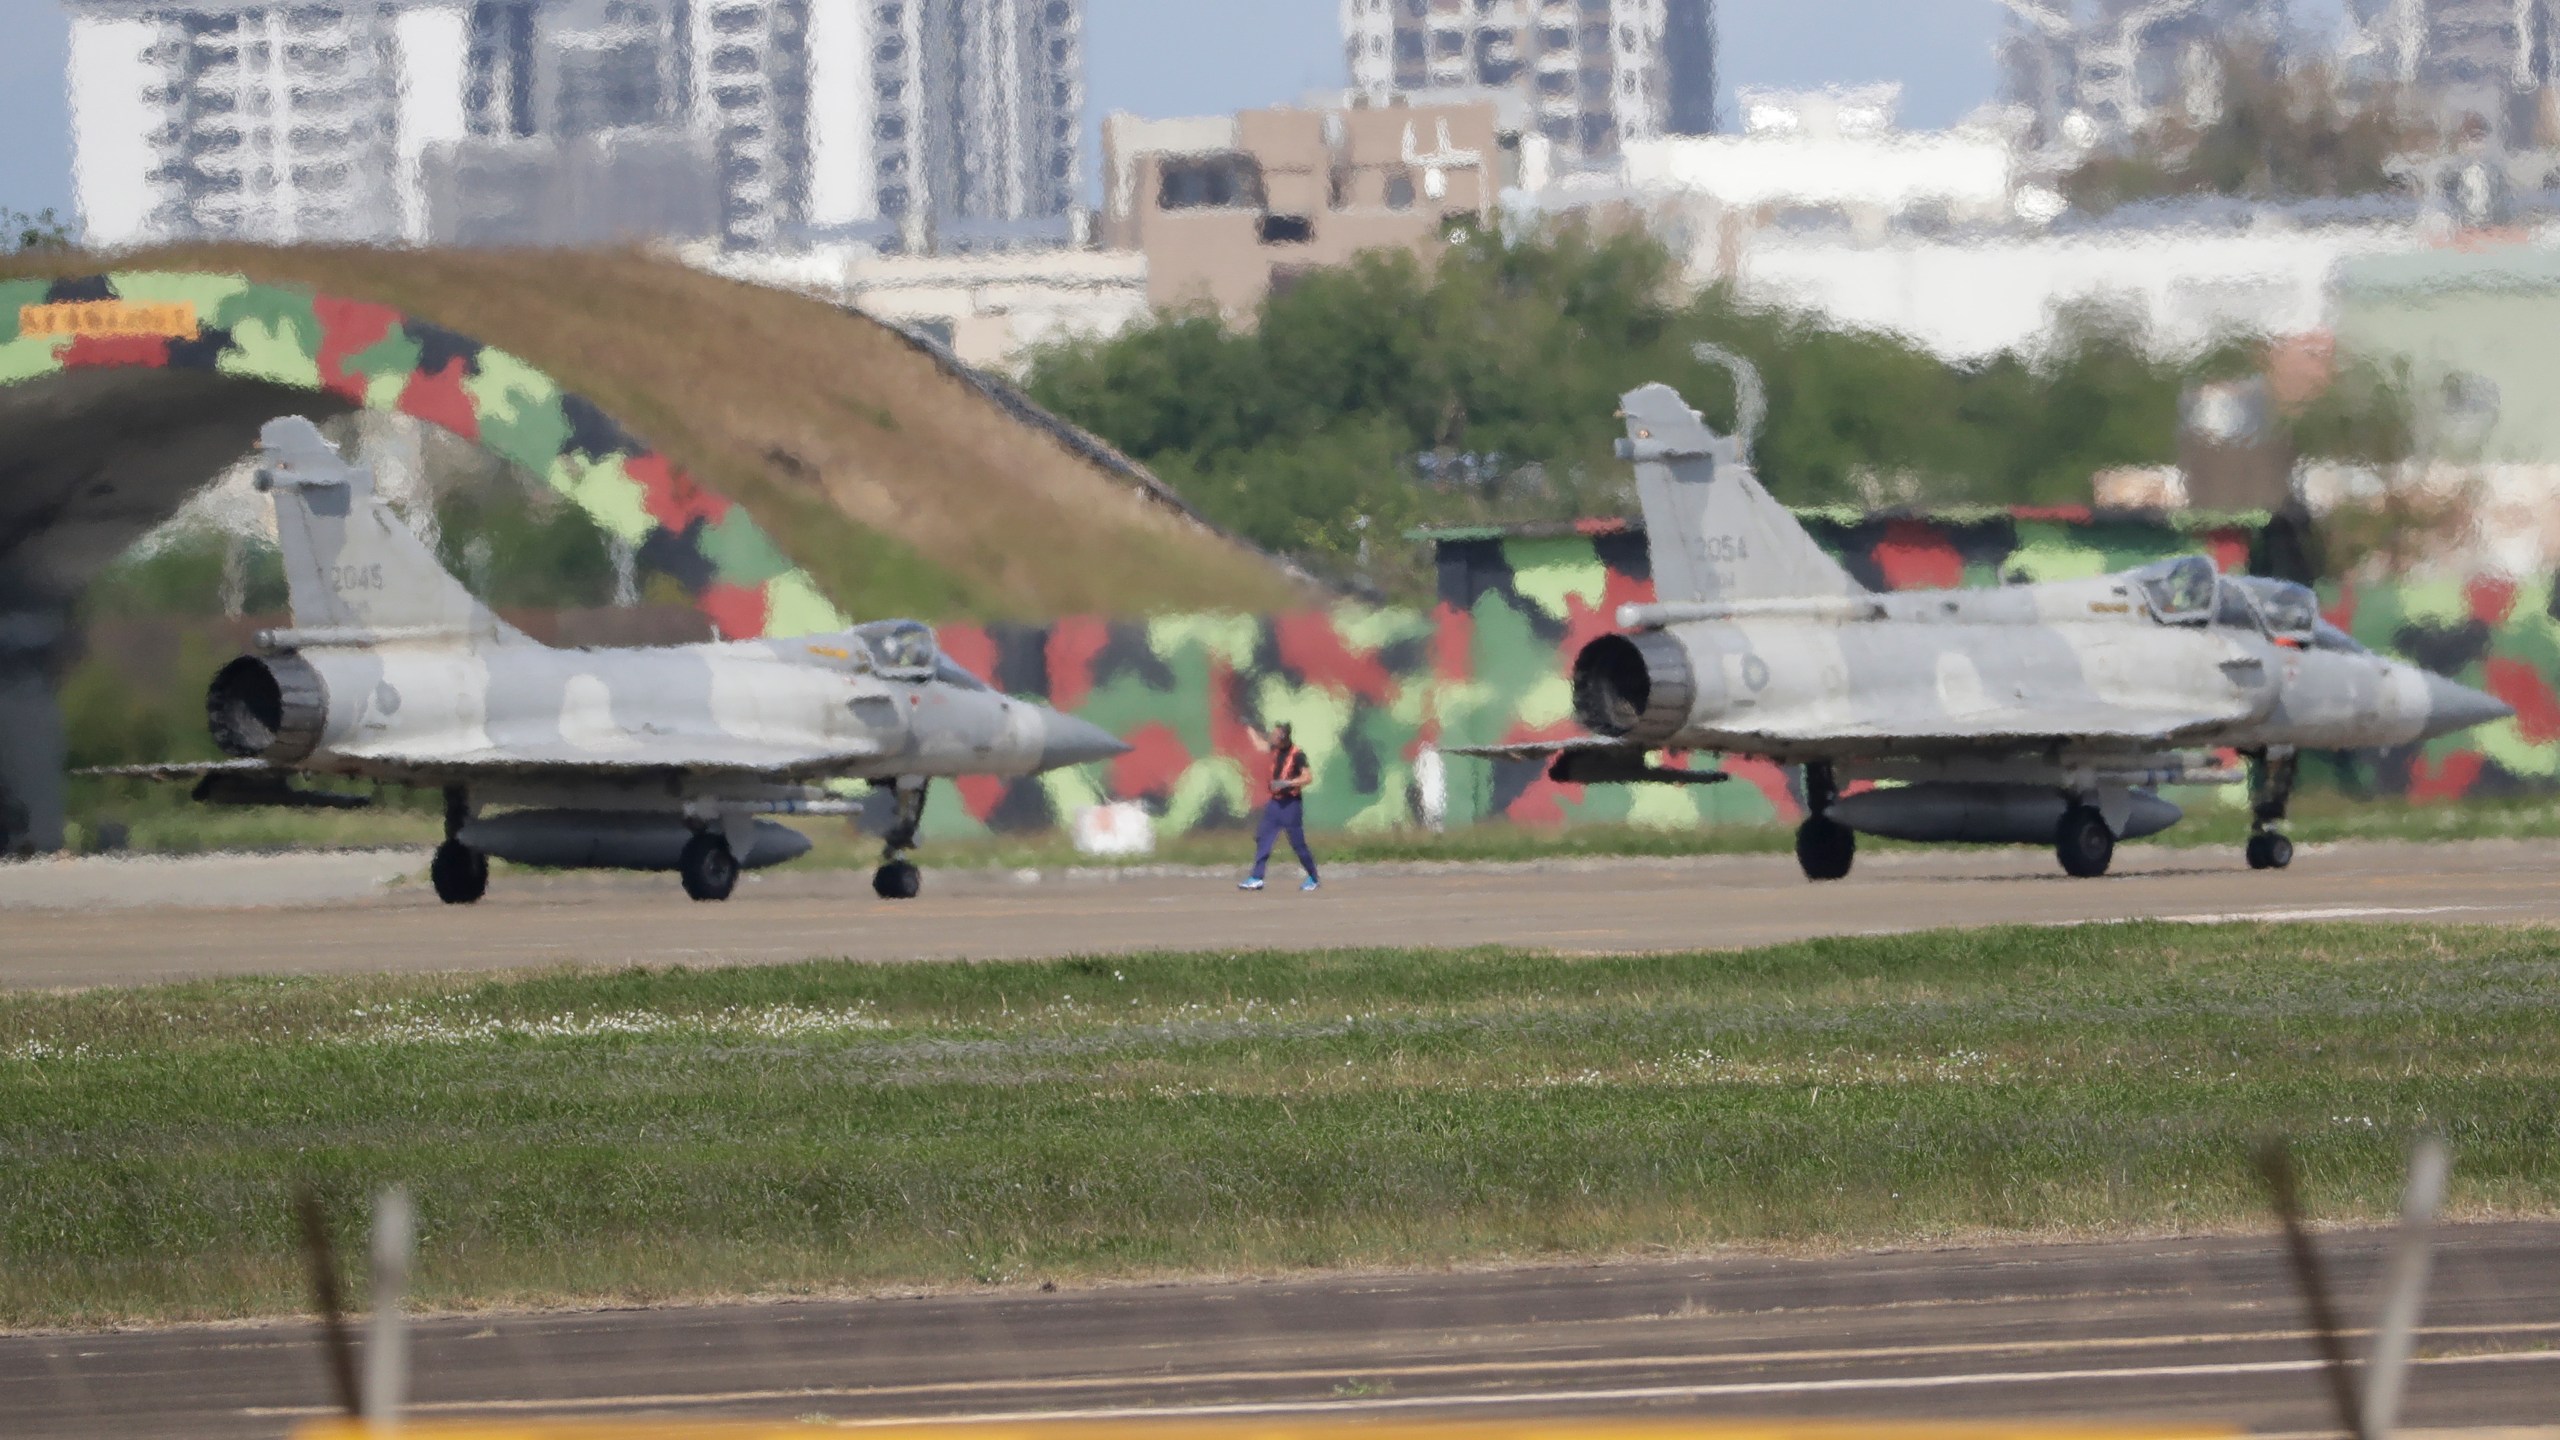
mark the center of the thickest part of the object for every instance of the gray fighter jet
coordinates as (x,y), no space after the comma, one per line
(2029,714)
(664,758)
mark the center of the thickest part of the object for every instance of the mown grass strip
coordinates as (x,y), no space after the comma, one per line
(639,1134)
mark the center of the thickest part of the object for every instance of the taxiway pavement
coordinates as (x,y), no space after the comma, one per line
(2179,1331)
(108,922)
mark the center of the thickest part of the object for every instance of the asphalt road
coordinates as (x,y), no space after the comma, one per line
(2188,1331)
(91,922)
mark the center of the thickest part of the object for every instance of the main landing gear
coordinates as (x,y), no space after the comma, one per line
(708,867)
(2270,791)
(459,873)
(2083,841)
(898,878)
(1824,847)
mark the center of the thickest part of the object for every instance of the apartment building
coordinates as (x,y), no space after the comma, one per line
(917,124)
(1593,73)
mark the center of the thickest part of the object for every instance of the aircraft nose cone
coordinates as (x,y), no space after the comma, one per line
(2452,705)
(1066,740)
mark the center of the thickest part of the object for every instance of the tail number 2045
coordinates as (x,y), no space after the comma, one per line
(343,578)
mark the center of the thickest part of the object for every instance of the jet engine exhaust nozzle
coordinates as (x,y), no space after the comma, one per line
(1634,687)
(267,707)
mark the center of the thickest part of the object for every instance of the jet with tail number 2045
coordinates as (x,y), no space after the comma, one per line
(661,758)
(2044,713)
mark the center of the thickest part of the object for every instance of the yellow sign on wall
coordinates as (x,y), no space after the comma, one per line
(176,318)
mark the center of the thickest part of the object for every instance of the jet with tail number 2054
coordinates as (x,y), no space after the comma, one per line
(2045,713)
(663,758)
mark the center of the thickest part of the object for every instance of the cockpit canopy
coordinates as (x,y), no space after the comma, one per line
(2188,591)
(900,647)
(2181,591)
(906,650)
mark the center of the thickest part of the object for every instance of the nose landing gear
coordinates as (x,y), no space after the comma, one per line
(2270,789)
(898,878)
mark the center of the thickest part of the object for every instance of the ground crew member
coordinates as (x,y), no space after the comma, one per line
(1286,809)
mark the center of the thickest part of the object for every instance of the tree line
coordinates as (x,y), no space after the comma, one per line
(1389,392)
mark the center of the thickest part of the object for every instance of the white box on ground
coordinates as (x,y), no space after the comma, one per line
(1122,827)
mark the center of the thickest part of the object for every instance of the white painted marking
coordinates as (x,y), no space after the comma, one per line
(1494,1368)
(1674,1392)
(2333,912)
(2284,916)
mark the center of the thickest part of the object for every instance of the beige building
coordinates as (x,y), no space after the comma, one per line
(1226,208)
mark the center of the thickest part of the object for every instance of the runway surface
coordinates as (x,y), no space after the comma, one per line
(2189,1331)
(93,922)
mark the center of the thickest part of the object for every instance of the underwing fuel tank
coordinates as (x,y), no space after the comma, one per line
(614,840)
(1986,814)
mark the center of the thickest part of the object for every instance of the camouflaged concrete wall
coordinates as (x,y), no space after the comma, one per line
(376,358)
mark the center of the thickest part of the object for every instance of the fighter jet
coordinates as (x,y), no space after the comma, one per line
(2029,714)
(663,758)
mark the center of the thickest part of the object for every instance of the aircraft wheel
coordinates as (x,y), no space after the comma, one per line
(710,872)
(897,880)
(2084,842)
(1825,848)
(2269,851)
(460,873)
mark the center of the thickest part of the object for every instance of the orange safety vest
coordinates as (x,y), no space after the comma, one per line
(1288,772)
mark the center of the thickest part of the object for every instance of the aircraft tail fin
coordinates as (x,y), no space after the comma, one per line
(354,573)
(1714,533)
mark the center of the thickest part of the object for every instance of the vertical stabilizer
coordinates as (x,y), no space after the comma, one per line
(353,571)
(1714,534)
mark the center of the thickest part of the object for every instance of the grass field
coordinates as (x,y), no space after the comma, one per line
(635,1135)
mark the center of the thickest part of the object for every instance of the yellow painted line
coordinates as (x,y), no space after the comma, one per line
(1449,1370)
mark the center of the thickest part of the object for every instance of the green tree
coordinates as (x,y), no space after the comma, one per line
(20,231)
(1480,387)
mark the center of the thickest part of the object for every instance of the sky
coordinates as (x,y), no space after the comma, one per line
(1194,57)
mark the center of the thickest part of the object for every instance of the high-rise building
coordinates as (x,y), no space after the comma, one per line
(1591,74)
(2104,68)
(2491,61)
(920,123)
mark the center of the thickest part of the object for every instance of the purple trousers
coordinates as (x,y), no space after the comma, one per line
(1289,815)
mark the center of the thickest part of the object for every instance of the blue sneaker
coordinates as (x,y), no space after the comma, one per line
(1310,885)
(1250,882)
